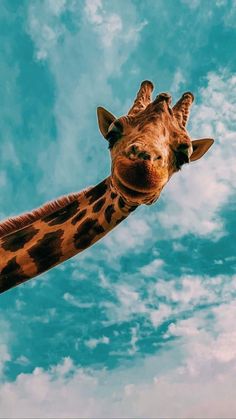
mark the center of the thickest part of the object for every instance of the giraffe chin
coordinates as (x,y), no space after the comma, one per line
(133,195)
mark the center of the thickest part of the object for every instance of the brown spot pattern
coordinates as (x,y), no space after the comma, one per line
(16,241)
(86,232)
(99,204)
(108,213)
(97,192)
(78,217)
(47,251)
(121,203)
(62,215)
(11,275)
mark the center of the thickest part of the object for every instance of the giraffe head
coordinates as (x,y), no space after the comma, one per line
(149,144)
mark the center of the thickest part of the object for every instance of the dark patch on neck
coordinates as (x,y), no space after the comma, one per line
(121,202)
(108,213)
(47,251)
(99,204)
(86,232)
(16,241)
(97,192)
(62,215)
(11,275)
(78,217)
(113,195)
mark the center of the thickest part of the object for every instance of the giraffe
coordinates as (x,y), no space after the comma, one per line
(147,146)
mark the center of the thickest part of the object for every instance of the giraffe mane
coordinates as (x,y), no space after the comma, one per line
(20,221)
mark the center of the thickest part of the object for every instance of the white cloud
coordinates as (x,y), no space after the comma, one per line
(92,8)
(75,301)
(230,16)
(183,290)
(163,299)
(45,26)
(130,235)
(178,247)
(158,316)
(178,81)
(188,327)
(191,290)
(152,268)
(129,304)
(93,343)
(194,378)
(57,6)
(134,339)
(22,360)
(5,336)
(63,368)
(108,26)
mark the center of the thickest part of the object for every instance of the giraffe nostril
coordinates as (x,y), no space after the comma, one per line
(134,149)
(144,155)
(133,152)
(159,157)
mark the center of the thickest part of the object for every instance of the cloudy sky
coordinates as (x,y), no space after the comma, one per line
(143,323)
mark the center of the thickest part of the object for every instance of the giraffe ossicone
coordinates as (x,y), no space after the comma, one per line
(147,146)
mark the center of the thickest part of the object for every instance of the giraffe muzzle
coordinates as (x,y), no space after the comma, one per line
(140,175)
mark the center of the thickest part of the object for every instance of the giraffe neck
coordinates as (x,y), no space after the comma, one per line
(61,234)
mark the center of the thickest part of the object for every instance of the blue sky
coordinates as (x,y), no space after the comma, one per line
(143,323)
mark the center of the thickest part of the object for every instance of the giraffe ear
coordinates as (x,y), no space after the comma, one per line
(105,119)
(200,147)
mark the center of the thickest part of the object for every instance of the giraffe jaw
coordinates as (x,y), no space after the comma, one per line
(138,181)
(134,196)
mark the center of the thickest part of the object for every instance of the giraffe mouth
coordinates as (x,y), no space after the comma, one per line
(138,178)
(130,192)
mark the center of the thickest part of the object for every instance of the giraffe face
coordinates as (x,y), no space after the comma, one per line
(148,146)
(146,152)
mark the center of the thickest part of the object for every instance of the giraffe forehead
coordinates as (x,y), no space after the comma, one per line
(148,134)
(152,122)
(162,127)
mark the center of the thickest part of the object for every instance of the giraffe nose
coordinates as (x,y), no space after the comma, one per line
(134,152)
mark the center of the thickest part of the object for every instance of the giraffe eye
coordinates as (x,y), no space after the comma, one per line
(112,137)
(181,154)
(181,158)
(114,134)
